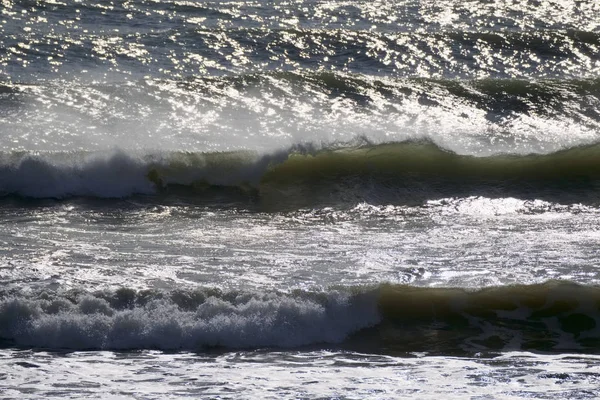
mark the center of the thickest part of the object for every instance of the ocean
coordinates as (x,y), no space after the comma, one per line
(299,199)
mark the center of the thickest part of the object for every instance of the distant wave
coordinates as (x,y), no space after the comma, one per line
(394,172)
(554,316)
(575,98)
(293,111)
(413,52)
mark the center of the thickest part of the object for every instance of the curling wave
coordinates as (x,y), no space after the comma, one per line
(393,172)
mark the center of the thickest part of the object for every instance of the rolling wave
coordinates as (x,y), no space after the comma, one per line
(555,316)
(393,172)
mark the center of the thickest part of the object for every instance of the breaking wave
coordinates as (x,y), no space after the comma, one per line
(555,316)
(397,172)
(187,320)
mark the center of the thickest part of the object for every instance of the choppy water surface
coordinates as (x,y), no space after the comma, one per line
(299,199)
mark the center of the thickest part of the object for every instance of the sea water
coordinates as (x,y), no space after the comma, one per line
(299,199)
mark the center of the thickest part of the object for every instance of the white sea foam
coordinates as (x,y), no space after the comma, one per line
(244,321)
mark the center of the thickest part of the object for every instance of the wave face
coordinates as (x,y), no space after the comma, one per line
(555,316)
(397,172)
